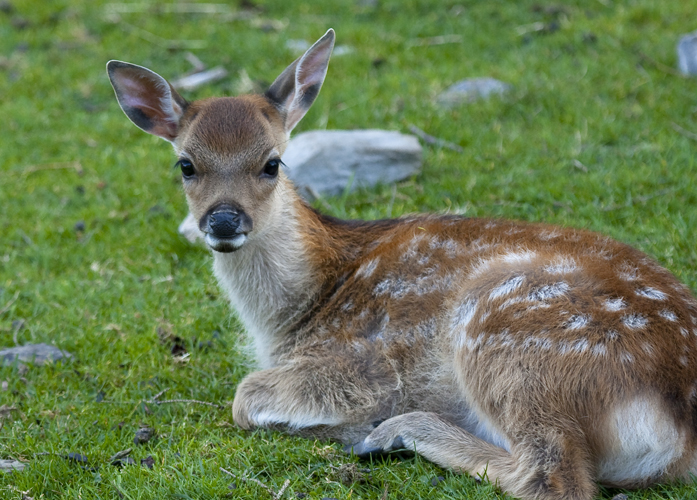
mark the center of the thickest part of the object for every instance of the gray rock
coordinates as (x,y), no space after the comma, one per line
(470,90)
(687,54)
(326,162)
(33,353)
(11,465)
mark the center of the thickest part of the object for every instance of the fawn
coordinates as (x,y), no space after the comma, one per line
(544,358)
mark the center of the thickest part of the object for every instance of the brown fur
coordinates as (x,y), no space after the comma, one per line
(546,359)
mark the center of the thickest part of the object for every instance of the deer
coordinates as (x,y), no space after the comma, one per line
(545,359)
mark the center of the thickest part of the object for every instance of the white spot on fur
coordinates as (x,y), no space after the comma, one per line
(634,321)
(651,293)
(539,342)
(519,257)
(367,268)
(464,314)
(347,306)
(484,317)
(549,235)
(669,315)
(648,348)
(612,335)
(507,339)
(578,346)
(628,272)
(547,292)
(511,301)
(644,443)
(471,344)
(562,265)
(577,322)
(508,286)
(625,357)
(684,332)
(614,305)
(599,350)
(683,360)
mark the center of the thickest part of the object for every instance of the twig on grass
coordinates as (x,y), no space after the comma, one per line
(384,494)
(164,8)
(434,140)
(280,493)
(194,401)
(275,496)
(9,304)
(579,165)
(163,42)
(157,396)
(659,65)
(54,166)
(682,131)
(434,40)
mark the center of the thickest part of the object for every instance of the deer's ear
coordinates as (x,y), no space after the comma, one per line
(297,87)
(148,100)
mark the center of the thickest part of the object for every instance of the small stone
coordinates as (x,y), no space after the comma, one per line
(326,162)
(148,462)
(687,54)
(76,457)
(5,385)
(470,90)
(33,353)
(123,461)
(620,496)
(120,454)
(79,226)
(436,480)
(143,435)
(6,7)
(19,23)
(11,465)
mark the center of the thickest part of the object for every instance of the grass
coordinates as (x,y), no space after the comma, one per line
(91,261)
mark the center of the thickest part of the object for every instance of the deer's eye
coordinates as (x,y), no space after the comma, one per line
(187,168)
(271,168)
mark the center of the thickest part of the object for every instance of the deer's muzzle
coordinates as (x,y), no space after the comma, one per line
(226,228)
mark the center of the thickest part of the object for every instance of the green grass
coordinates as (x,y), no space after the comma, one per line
(595,93)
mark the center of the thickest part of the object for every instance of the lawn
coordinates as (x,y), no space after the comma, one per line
(598,132)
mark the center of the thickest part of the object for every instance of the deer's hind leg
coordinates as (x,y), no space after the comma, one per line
(332,396)
(546,465)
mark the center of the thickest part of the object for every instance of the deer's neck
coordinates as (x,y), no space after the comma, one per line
(274,278)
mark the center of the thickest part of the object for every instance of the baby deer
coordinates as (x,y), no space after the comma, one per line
(544,358)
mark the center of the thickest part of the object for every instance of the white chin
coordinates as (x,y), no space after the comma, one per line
(225,245)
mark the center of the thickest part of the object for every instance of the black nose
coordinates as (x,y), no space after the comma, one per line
(224,224)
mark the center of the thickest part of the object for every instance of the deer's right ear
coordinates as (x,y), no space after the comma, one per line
(148,100)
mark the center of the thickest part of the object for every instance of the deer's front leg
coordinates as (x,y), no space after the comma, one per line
(318,393)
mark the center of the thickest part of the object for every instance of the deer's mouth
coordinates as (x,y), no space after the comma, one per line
(225,245)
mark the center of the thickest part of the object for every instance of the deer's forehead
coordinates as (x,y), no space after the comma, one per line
(247,125)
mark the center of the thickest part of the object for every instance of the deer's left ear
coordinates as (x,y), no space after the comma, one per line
(148,100)
(297,87)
